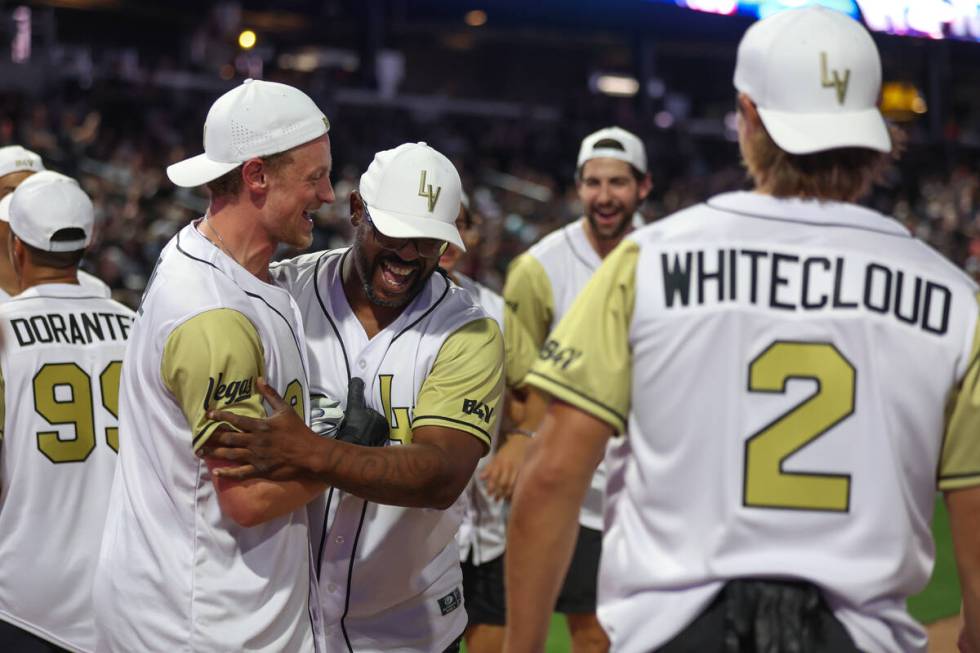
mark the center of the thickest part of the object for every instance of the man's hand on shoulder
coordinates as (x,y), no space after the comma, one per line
(278,447)
(281,446)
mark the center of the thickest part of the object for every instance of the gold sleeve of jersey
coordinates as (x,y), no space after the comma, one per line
(519,350)
(465,387)
(959,463)
(586,360)
(212,361)
(527,291)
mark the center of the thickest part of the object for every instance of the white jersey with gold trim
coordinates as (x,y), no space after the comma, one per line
(782,370)
(482,534)
(542,285)
(176,574)
(389,576)
(59,396)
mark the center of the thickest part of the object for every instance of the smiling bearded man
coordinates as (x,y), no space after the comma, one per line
(431,361)
(612,181)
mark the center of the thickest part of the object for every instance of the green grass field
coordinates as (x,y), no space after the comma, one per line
(941,598)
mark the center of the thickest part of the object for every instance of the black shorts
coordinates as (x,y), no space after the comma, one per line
(578,592)
(483,592)
(13,639)
(713,631)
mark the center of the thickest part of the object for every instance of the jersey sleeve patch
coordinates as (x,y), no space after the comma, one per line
(959,463)
(528,292)
(464,389)
(586,361)
(212,361)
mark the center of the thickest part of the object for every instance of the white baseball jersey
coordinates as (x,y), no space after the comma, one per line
(176,574)
(389,576)
(59,396)
(482,534)
(483,530)
(92,284)
(782,370)
(541,286)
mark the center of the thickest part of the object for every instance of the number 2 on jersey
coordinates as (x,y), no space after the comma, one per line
(74,407)
(767,484)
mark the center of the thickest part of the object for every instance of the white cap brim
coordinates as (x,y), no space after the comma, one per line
(396,225)
(807,133)
(197,171)
(5,207)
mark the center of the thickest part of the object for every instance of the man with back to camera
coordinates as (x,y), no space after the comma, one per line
(612,181)
(431,360)
(16,165)
(780,363)
(483,530)
(190,561)
(59,396)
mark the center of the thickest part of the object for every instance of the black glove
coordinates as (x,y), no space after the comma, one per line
(362,425)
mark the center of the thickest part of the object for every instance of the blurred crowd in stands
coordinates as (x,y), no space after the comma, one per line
(518,172)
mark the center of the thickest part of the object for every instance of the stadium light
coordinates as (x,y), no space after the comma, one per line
(247,39)
(615,85)
(475,18)
(902,101)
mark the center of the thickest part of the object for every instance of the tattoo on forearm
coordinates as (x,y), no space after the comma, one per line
(416,475)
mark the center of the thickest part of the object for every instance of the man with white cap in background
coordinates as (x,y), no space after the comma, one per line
(432,362)
(190,561)
(612,182)
(59,398)
(16,165)
(792,376)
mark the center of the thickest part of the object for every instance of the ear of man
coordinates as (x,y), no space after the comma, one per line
(255,176)
(750,115)
(356,208)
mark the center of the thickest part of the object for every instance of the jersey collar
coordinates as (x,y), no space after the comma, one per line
(579,243)
(194,244)
(57,291)
(825,213)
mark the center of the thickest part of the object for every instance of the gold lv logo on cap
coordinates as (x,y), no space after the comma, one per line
(837,82)
(426,192)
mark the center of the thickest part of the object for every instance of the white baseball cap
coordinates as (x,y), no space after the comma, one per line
(815,76)
(46,203)
(15,158)
(413,191)
(255,119)
(631,150)
(5,207)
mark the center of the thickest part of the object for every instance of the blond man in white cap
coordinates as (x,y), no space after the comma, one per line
(59,398)
(788,376)
(16,165)
(190,561)
(431,360)
(612,181)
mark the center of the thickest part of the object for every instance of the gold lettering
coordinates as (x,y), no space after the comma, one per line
(426,192)
(834,80)
(399,419)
